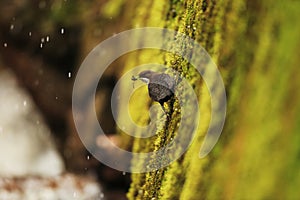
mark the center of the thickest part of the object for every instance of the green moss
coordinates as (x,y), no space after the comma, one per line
(112,9)
(256,53)
(172,182)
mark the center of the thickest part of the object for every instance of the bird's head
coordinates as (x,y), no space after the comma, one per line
(144,76)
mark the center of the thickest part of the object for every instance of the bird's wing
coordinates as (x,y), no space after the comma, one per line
(167,81)
(158,92)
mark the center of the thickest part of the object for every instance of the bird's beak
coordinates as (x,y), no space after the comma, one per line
(145,80)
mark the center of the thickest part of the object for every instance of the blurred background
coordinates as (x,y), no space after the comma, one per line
(42,45)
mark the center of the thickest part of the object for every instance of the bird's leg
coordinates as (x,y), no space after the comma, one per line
(165,111)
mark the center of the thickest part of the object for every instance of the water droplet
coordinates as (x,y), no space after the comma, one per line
(62,30)
(30,33)
(69,74)
(12,27)
(56,98)
(5,44)
(124,173)
(42,40)
(41,45)
(47,39)
(88,157)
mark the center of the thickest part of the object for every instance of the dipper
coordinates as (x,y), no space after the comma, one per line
(160,85)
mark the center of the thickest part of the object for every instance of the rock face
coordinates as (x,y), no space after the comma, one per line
(26,146)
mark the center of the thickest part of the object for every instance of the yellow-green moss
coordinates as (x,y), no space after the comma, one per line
(112,8)
(255,45)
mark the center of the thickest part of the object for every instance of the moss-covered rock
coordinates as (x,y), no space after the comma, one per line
(255,45)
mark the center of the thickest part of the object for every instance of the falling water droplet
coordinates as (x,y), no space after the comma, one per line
(62,30)
(101,195)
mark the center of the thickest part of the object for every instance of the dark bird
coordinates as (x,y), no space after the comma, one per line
(160,85)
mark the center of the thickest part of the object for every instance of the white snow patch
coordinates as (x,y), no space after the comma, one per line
(26,146)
